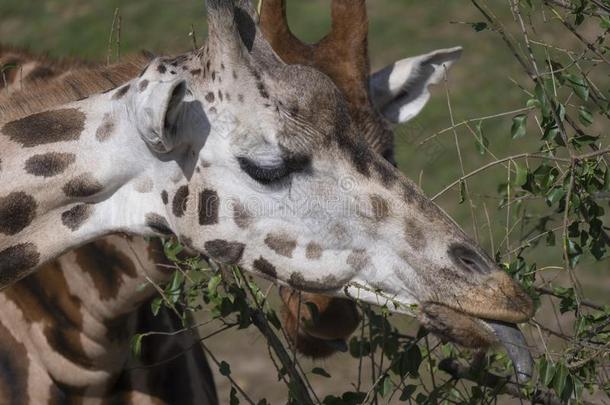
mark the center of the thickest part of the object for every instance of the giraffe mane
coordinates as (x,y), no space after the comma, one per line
(76,85)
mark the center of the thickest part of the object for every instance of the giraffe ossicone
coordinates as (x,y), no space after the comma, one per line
(233,123)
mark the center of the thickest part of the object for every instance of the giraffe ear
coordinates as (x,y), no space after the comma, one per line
(400,91)
(158,109)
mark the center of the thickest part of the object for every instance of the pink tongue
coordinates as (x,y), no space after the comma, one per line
(514,342)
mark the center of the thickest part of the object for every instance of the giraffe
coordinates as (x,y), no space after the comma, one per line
(231,139)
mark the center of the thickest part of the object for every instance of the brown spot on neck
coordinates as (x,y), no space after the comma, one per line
(381,207)
(281,244)
(313,251)
(262,265)
(76,216)
(106,128)
(16,260)
(241,215)
(224,252)
(17,211)
(46,127)
(180,200)
(208,207)
(49,164)
(81,186)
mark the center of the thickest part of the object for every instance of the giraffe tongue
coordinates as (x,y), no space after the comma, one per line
(514,342)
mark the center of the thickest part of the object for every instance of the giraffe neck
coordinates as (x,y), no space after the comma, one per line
(77,315)
(71,175)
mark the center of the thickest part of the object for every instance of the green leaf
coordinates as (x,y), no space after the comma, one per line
(585,116)
(386,387)
(214,283)
(479,26)
(224,368)
(155,305)
(407,392)
(136,345)
(578,84)
(546,371)
(462,191)
(320,371)
(521,175)
(481,142)
(559,380)
(518,129)
(233,400)
(555,195)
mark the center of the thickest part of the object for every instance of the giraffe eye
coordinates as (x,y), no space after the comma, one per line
(273,174)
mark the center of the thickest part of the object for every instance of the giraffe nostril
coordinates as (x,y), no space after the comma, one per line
(468,259)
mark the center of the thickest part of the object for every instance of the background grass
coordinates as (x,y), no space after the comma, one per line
(484,82)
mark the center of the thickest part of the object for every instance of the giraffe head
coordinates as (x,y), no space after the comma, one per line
(288,188)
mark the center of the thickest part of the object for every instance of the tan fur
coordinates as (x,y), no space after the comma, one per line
(78,84)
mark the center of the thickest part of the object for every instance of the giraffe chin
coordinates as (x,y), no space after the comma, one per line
(472,332)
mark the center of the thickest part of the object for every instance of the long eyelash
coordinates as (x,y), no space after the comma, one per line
(263,175)
(268,175)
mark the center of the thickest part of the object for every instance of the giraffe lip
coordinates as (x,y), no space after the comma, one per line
(514,342)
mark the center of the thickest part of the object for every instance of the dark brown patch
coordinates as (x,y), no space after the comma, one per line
(164,197)
(106,128)
(327,283)
(76,216)
(49,164)
(107,266)
(143,85)
(358,259)
(224,252)
(263,266)
(241,216)
(180,200)
(220,95)
(414,235)
(161,69)
(45,297)
(121,92)
(386,172)
(40,72)
(281,244)
(313,251)
(17,210)
(14,374)
(46,127)
(240,97)
(158,224)
(208,207)
(196,72)
(15,260)
(81,186)
(380,206)
(210,97)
